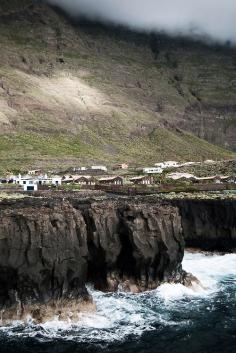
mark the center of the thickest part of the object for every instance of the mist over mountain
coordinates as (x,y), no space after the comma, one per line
(209,19)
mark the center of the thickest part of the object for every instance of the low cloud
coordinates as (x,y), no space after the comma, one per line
(215,19)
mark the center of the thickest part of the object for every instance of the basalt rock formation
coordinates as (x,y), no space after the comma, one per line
(135,246)
(209,224)
(50,248)
(42,256)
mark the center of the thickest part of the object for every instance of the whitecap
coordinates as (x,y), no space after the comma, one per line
(123,315)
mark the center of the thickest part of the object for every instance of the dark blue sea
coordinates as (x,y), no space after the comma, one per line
(171,319)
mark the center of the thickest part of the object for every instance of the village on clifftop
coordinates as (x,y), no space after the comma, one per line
(119,175)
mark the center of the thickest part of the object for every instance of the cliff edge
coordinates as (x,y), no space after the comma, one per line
(49,250)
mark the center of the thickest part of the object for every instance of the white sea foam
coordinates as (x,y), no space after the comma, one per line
(178,291)
(208,268)
(121,315)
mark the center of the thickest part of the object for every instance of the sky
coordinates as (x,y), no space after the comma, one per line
(215,19)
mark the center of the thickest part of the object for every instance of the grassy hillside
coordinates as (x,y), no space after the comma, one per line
(73,94)
(14,5)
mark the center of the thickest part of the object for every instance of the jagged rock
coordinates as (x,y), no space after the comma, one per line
(43,253)
(49,249)
(139,244)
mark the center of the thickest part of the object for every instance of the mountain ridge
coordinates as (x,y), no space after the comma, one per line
(73,94)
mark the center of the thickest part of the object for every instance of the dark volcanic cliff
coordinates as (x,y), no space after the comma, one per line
(49,249)
(209,224)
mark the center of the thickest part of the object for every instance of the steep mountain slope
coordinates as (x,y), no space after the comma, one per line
(85,93)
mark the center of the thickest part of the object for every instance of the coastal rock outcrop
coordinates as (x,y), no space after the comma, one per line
(208,224)
(135,246)
(43,253)
(50,249)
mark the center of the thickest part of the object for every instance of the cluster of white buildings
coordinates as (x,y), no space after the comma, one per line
(160,167)
(89,176)
(101,168)
(216,179)
(31,181)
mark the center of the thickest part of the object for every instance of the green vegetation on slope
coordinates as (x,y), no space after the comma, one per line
(13,5)
(71,95)
(20,151)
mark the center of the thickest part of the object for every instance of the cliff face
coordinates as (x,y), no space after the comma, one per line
(50,249)
(42,255)
(212,122)
(133,245)
(208,224)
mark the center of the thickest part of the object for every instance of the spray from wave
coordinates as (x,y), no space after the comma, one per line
(120,316)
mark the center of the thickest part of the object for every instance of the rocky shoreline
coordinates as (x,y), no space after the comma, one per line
(50,248)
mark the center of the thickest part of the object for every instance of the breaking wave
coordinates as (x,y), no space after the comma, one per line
(122,317)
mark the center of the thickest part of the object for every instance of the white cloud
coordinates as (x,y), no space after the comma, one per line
(214,18)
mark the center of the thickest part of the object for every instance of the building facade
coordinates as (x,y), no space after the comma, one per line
(111,181)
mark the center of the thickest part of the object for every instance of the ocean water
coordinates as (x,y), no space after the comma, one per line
(170,319)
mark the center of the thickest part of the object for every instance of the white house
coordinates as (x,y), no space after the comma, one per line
(11,179)
(35,172)
(142,180)
(99,167)
(121,166)
(171,164)
(209,161)
(178,176)
(22,180)
(186,164)
(45,180)
(79,169)
(153,170)
(111,180)
(160,165)
(56,180)
(30,185)
(167,164)
(39,180)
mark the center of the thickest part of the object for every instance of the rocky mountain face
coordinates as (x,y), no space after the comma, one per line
(49,250)
(93,93)
(212,122)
